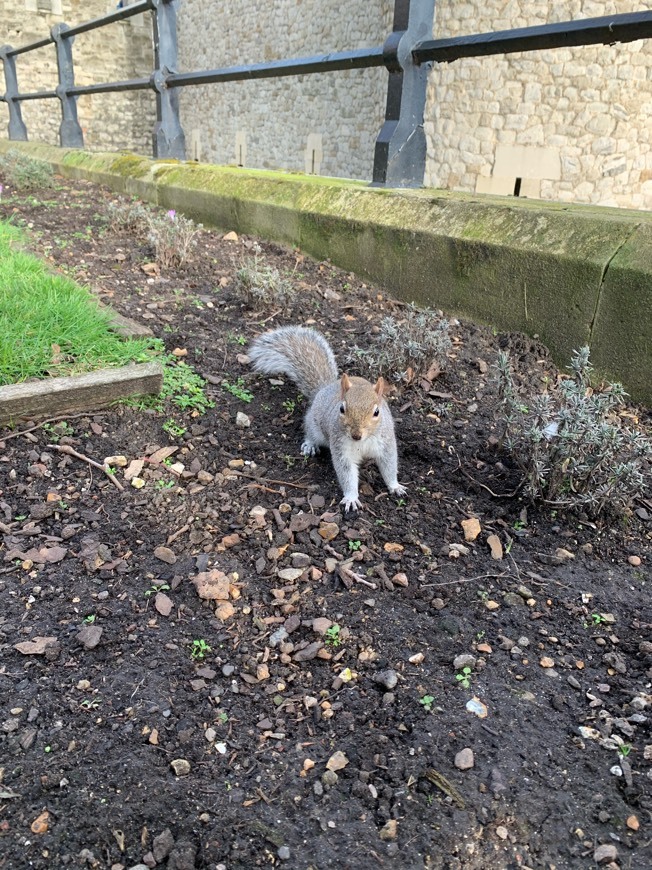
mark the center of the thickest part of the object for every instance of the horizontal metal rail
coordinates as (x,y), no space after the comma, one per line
(361,58)
(108,87)
(119,15)
(588,31)
(31,47)
(37,95)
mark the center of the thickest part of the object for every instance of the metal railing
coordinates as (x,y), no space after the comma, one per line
(408,54)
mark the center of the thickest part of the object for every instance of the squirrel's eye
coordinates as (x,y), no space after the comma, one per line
(342,408)
(376,411)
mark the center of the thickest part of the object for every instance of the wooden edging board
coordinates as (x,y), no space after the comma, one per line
(34,400)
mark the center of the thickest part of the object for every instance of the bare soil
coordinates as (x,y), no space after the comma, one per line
(158,728)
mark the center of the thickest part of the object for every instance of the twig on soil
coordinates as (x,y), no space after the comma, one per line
(65,448)
(267,480)
(44,423)
(482,485)
(466,580)
(178,533)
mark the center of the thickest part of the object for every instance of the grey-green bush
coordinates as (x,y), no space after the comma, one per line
(406,348)
(572,446)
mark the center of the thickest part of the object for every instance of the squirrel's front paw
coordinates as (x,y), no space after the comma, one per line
(308,448)
(351,503)
(399,489)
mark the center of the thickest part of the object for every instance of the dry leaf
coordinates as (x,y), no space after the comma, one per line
(230,237)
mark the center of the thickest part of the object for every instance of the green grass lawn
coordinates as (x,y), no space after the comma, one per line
(50,326)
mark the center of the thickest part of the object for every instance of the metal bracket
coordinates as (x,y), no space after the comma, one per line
(17,128)
(168,138)
(400,155)
(70,131)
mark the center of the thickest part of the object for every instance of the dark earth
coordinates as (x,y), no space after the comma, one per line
(315,713)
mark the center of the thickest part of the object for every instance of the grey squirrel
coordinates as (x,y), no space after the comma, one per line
(348,415)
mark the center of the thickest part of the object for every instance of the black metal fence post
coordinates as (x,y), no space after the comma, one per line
(17,128)
(400,155)
(168,137)
(70,131)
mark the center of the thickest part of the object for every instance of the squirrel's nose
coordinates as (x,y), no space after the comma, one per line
(356,436)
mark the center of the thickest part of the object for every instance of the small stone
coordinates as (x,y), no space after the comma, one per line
(329,778)
(471,529)
(321,625)
(242,421)
(491,605)
(165,554)
(389,830)
(289,575)
(337,761)
(284,853)
(605,854)
(632,823)
(387,678)
(502,832)
(496,547)
(563,554)
(162,845)
(547,662)
(89,636)
(464,759)
(416,659)
(400,579)
(180,766)
(308,652)
(634,560)
(163,604)
(465,660)
(512,599)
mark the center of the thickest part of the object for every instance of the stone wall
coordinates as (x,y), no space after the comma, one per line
(324,123)
(120,51)
(573,125)
(566,124)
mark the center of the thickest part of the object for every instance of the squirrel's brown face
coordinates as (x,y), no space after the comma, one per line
(360,406)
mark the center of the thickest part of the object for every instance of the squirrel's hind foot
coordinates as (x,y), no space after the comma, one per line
(351,504)
(308,448)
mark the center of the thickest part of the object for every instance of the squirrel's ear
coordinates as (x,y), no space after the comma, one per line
(379,387)
(345,384)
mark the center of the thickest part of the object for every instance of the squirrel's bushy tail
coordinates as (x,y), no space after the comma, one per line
(298,352)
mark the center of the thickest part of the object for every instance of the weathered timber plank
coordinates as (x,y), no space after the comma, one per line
(36,400)
(125,327)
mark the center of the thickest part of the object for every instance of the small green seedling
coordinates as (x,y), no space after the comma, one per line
(199,649)
(156,587)
(173,429)
(624,749)
(238,390)
(290,405)
(165,484)
(427,701)
(355,545)
(90,619)
(222,717)
(463,677)
(598,619)
(333,635)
